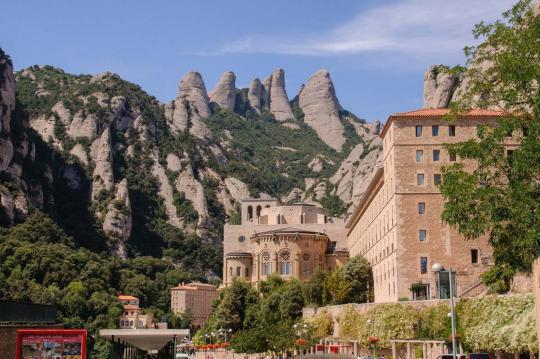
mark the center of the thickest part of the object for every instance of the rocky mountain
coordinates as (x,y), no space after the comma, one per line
(119,170)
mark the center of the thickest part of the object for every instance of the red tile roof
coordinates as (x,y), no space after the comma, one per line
(430,112)
(127,297)
(437,112)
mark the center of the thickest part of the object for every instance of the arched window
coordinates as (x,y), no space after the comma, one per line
(266,265)
(247,272)
(238,271)
(131,323)
(285,263)
(259,209)
(250,213)
(306,265)
(121,323)
(230,272)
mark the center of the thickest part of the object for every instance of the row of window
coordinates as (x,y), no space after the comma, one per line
(435,130)
(424,261)
(420,179)
(436,156)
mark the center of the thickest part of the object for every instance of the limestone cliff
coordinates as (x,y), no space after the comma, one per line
(190,107)
(279,102)
(318,101)
(117,221)
(103,158)
(224,94)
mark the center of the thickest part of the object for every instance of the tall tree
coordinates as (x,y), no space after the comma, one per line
(358,273)
(501,197)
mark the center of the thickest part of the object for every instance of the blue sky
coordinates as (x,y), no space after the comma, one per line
(376,50)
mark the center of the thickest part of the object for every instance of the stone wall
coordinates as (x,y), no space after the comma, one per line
(337,310)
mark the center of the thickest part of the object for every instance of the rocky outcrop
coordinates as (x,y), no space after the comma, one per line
(279,102)
(317,164)
(165,188)
(79,152)
(7,105)
(318,101)
(238,189)
(173,162)
(352,176)
(103,170)
(265,92)
(191,105)
(117,222)
(224,94)
(439,86)
(194,192)
(254,95)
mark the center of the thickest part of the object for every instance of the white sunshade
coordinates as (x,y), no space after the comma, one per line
(145,339)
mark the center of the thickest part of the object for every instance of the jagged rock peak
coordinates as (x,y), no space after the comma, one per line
(255,92)
(192,95)
(439,86)
(279,102)
(224,94)
(318,101)
(193,90)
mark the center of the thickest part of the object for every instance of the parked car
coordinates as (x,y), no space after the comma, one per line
(479,356)
(450,356)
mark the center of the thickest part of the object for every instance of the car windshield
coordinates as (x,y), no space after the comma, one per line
(479,356)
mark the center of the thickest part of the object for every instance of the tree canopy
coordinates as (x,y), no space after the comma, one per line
(501,197)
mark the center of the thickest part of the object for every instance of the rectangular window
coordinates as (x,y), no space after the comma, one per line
(437,179)
(422,235)
(423,265)
(435,130)
(474,256)
(421,207)
(452,157)
(419,155)
(436,155)
(420,179)
(452,130)
(418,131)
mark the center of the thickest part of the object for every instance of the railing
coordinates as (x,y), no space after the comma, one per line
(22,312)
(470,289)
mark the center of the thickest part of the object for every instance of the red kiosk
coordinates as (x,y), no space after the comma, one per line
(54,343)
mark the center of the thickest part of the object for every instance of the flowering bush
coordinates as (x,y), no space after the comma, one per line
(322,324)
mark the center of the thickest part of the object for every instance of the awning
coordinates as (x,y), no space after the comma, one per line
(145,339)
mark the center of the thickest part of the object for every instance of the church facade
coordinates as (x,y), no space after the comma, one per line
(289,240)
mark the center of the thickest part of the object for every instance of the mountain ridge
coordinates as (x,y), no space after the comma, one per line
(201,153)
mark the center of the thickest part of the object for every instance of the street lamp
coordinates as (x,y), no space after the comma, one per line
(370,324)
(438,268)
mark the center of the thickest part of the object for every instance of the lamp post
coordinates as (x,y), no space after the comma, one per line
(370,324)
(438,268)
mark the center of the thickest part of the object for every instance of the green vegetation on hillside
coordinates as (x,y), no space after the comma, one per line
(269,156)
(41,264)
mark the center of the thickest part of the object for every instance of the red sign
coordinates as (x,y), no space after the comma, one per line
(51,344)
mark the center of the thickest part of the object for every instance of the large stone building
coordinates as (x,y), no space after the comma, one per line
(195,299)
(397,223)
(290,240)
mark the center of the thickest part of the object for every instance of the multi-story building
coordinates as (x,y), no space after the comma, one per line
(397,224)
(195,299)
(132,317)
(290,240)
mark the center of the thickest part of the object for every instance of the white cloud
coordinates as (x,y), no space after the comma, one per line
(407,26)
